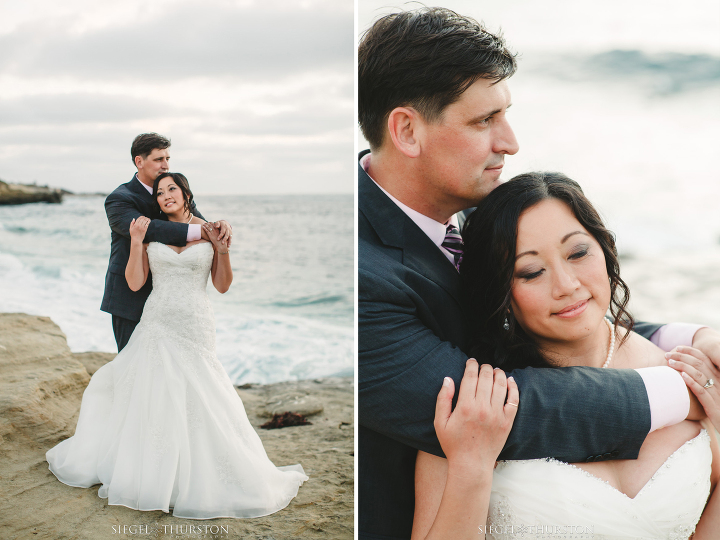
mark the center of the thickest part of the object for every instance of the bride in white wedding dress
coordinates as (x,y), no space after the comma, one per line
(161,426)
(563,276)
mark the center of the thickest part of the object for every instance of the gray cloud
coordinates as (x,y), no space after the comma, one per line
(75,99)
(79,108)
(188,40)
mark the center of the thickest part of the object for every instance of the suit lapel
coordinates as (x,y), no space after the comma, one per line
(396,229)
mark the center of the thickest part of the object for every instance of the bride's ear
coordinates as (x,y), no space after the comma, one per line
(404,125)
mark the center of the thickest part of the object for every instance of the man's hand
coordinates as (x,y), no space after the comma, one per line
(700,375)
(707,340)
(213,235)
(225,231)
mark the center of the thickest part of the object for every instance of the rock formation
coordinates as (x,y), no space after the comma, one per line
(25,193)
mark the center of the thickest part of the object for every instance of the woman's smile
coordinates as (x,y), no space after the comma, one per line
(573,310)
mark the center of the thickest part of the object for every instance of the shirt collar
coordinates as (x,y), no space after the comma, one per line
(433,229)
(149,189)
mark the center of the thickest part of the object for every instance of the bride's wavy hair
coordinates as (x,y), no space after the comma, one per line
(181,182)
(488,265)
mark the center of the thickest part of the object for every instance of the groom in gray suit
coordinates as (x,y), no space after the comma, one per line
(433,98)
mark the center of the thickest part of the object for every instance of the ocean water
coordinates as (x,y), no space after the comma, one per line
(288,314)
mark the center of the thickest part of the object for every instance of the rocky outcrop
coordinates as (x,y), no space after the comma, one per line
(26,193)
(41,386)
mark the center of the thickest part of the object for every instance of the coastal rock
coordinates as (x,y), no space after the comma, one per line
(26,193)
(295,402)
(93,360)
(41,386)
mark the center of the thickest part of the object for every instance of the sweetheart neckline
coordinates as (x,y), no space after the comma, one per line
(592,477)
(184,250)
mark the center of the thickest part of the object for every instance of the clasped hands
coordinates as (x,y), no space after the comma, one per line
(218,232)
(698,365)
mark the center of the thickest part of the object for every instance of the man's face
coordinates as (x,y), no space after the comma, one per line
(463,152)
(152,166)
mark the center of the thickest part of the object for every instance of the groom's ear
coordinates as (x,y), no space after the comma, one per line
(403,123)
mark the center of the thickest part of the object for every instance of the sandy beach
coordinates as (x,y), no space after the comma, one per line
(40,394)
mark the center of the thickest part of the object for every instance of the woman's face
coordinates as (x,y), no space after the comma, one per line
(170,196)
(560,288)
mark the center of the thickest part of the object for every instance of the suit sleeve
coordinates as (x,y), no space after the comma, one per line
(646,329)
(573,414)
(121,211)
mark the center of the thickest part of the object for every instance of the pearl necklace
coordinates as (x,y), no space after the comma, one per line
(611,348)
(191,217)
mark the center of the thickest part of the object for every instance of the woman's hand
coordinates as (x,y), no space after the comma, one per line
(138,228)
(473,435)
(701,376)
(215,237)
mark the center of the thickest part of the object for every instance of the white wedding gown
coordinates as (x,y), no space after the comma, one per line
(161,425)
(549,499)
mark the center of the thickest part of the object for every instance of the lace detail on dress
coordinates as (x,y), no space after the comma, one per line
(499,522)
(682,532)
(159,442)
(192,412)
(553,493)
(226,473)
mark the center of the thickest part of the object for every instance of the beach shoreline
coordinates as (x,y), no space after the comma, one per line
(40,394)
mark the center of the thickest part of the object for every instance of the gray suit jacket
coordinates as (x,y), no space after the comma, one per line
(412,334)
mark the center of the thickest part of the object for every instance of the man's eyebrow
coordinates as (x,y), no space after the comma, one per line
(564,239)
(487,115)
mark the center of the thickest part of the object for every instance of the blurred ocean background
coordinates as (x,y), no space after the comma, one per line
(623,97)
(288,314)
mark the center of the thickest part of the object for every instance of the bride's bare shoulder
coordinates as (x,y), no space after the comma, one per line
(638,352)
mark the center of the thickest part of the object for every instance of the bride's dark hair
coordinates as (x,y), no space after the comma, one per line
(488,265)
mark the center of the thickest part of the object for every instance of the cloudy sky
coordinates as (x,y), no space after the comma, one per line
(257,96)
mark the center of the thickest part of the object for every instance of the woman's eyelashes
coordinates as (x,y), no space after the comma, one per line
(527,275)
(578,252)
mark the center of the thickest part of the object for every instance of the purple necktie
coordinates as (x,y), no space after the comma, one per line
(453,243)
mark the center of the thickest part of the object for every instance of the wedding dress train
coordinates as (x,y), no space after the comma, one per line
(549,499)
(161,426)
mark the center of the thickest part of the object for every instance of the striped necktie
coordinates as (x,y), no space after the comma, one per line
(453,243)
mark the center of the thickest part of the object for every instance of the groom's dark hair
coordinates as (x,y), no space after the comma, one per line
(145,143)
(425,59)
